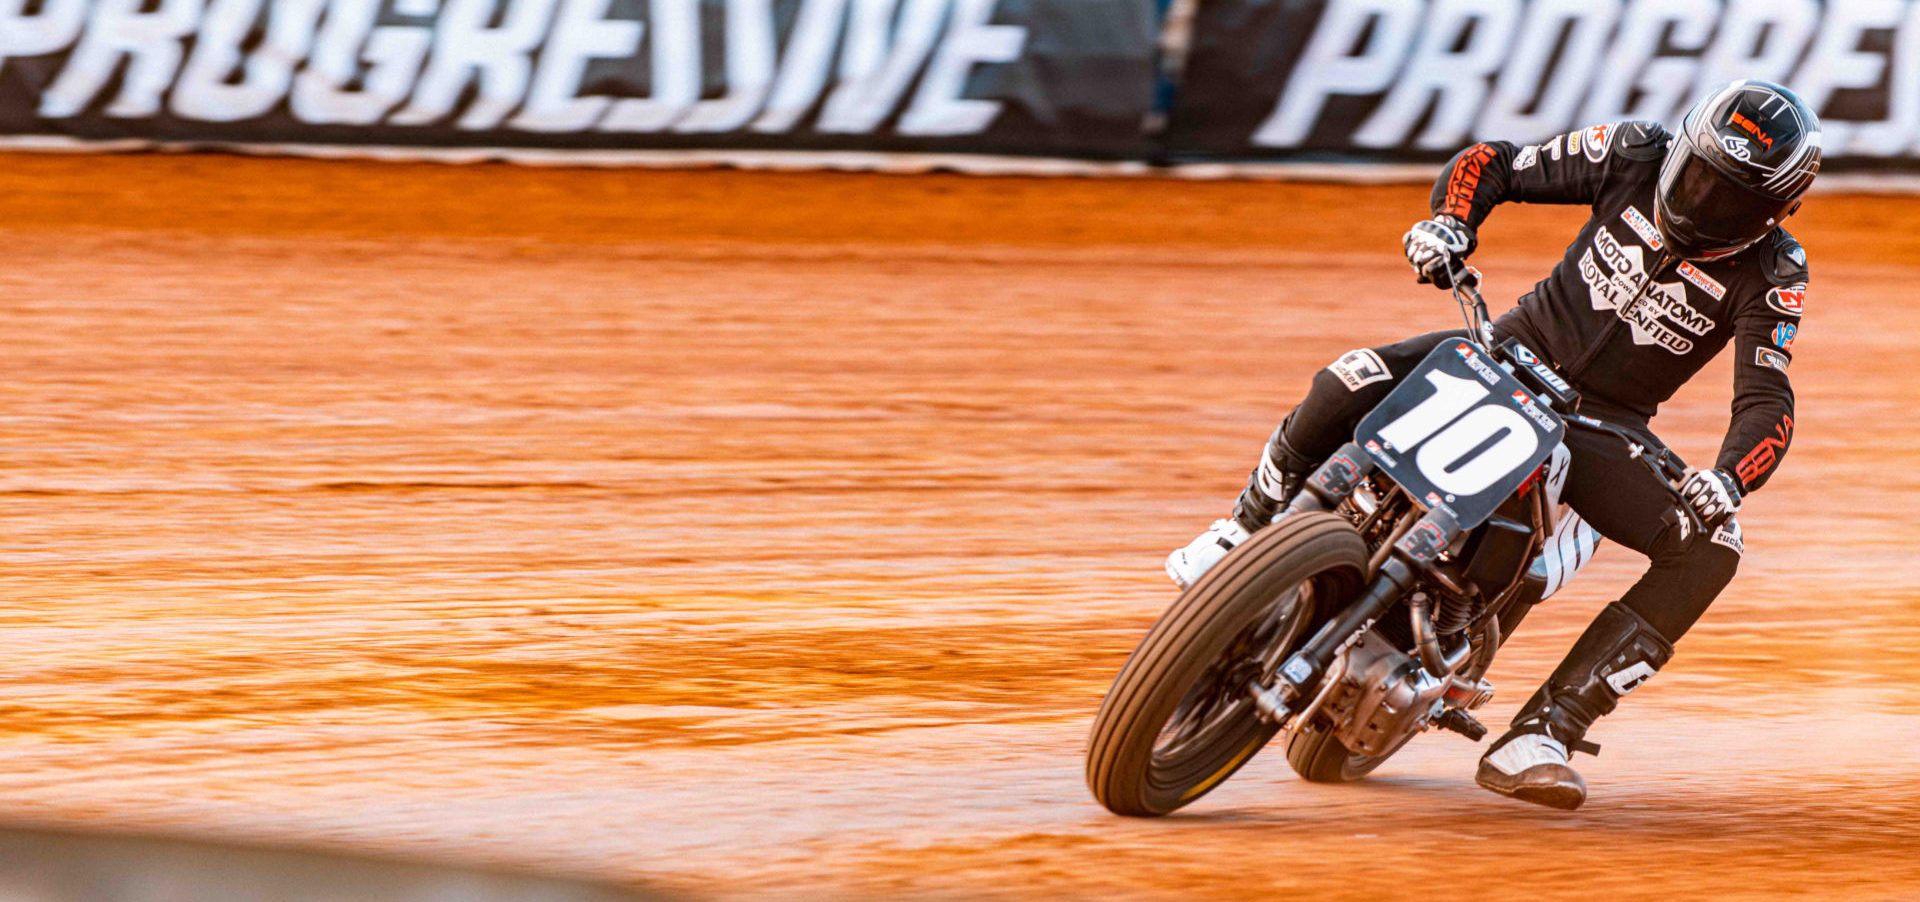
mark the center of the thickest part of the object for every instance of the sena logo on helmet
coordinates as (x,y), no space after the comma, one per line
(1743,158)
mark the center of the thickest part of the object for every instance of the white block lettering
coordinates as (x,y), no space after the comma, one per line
(1331,65)
(938,107)
(149,42)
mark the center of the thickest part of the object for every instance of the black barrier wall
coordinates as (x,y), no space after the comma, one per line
(1263,80)
(1057,77)
(1406,80)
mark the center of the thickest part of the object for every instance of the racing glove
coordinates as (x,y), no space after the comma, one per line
(1713,494)
(1437,244)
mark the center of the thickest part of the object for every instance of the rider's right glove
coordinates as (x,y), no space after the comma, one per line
(1435,245)
(1713,494)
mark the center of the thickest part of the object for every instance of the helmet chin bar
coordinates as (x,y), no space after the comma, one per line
(1678,246)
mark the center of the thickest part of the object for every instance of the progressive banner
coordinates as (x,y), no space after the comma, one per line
(1053,77)
(1415,80)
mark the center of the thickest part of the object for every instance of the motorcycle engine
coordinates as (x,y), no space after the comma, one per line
(1385,697)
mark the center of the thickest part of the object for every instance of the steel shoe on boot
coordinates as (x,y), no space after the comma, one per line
(1530,765)
(1187,565)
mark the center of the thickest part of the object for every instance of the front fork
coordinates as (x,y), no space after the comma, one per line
(1412,554)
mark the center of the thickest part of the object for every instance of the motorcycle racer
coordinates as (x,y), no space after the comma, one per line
(1683,253)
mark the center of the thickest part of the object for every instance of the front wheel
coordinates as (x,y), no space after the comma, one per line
(1178,721)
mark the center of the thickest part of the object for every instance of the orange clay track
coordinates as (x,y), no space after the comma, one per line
(776,535)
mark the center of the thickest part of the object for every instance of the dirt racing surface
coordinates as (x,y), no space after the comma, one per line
(775,536)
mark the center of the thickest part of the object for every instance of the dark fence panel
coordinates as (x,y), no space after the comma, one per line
(1415,80)
(1054,77)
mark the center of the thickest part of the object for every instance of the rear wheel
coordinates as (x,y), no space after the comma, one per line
(1178,721)
(1317,756)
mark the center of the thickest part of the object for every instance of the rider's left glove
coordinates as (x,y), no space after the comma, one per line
(1713,494)
(1436,246)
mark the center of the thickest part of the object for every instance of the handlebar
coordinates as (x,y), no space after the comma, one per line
(1663,462)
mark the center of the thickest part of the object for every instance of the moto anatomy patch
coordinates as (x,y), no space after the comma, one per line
(1359,368)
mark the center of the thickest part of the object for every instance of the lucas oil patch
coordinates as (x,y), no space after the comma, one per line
(1728,535)
(1359,368)
(1637,221)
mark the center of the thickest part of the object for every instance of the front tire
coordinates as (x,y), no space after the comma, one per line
(1178,722)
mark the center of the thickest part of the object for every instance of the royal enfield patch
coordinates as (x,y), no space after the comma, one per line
(1637,221)
(1790,300)
(1728,535)
(1359,368)
(1769,357)
(1701,280)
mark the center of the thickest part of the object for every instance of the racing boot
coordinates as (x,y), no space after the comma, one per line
(1269,487)
(1617,653)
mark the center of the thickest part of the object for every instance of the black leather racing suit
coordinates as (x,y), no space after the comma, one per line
(1627,325)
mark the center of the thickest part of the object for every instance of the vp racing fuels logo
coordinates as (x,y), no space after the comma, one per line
(1783,335)
(1616,277)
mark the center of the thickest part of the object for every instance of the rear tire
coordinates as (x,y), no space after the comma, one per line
(1318,757)
(1177,722)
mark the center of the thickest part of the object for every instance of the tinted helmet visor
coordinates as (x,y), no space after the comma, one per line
(1709,213)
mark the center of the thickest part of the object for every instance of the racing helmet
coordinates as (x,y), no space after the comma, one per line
(1743,157)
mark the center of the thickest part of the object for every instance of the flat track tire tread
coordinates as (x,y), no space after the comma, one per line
(1316,542)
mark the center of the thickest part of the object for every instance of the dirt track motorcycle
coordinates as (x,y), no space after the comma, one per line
(1371,609)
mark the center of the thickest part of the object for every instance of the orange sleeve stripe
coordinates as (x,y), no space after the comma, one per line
(1465,180)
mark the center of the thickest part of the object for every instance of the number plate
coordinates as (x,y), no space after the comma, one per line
(1460,433)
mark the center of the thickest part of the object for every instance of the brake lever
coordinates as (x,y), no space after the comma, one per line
(1662,467)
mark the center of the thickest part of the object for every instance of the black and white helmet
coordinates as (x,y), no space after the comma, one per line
(1742,159)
